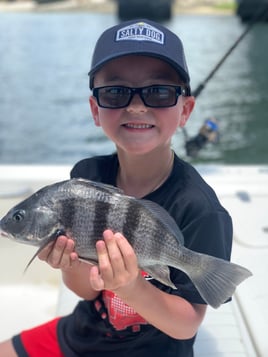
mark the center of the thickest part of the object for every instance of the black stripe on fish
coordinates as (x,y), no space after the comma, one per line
(132,220)
(68,210)
(101,218)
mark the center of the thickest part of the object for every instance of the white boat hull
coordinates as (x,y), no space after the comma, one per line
(235,329)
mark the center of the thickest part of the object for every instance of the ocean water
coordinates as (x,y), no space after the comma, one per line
(44,111)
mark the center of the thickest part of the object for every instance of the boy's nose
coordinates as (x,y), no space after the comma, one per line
(136,105)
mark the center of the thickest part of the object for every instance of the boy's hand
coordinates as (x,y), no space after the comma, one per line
(60,254)
(118,267)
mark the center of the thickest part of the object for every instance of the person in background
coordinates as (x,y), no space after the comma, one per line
(208,133)
(140,95)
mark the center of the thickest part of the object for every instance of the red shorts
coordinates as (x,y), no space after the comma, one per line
(41,341)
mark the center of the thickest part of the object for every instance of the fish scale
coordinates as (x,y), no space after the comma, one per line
(83,209)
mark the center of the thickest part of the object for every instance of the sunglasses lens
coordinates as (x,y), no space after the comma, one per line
(159,96)
(113,97)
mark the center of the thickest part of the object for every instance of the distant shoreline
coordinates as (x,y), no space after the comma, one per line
(108,6)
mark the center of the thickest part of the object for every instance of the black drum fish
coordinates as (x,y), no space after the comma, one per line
(83,209)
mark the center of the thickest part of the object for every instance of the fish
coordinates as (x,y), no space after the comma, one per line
(82,210)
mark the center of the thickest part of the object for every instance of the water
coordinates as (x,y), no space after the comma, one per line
(44,111)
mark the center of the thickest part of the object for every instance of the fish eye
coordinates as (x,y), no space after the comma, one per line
(18,216)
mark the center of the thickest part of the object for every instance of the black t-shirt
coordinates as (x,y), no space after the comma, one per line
(94,326)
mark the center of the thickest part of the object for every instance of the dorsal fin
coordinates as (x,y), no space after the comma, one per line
(162,215)
(98,185)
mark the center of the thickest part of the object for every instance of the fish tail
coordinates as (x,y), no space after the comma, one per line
(216,279)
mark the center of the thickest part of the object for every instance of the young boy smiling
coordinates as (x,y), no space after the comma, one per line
(140,96)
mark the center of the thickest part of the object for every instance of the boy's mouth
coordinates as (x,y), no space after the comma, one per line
(138,126)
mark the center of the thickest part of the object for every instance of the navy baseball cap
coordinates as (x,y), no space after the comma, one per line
(140,37)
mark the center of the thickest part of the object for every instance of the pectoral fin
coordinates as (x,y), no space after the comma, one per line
(160,273)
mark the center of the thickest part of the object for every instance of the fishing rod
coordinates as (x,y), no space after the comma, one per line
(209,131)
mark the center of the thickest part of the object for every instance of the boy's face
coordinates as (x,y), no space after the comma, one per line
(137,128)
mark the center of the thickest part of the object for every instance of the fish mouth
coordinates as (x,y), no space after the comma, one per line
(4,234)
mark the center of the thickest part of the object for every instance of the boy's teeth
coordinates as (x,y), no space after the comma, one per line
(139,126)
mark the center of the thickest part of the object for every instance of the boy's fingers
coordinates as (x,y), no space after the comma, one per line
(115,254)
(96,281)
(45,251)
(128,254)
(58,254)
(104,260)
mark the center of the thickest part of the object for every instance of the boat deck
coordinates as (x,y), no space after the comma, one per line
(236,329)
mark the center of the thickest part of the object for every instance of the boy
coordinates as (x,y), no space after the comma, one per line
(141,95)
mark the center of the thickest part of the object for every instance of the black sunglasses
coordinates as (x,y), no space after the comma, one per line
(155,96)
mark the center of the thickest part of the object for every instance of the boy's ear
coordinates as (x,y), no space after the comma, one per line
(187,108)
(94,110)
